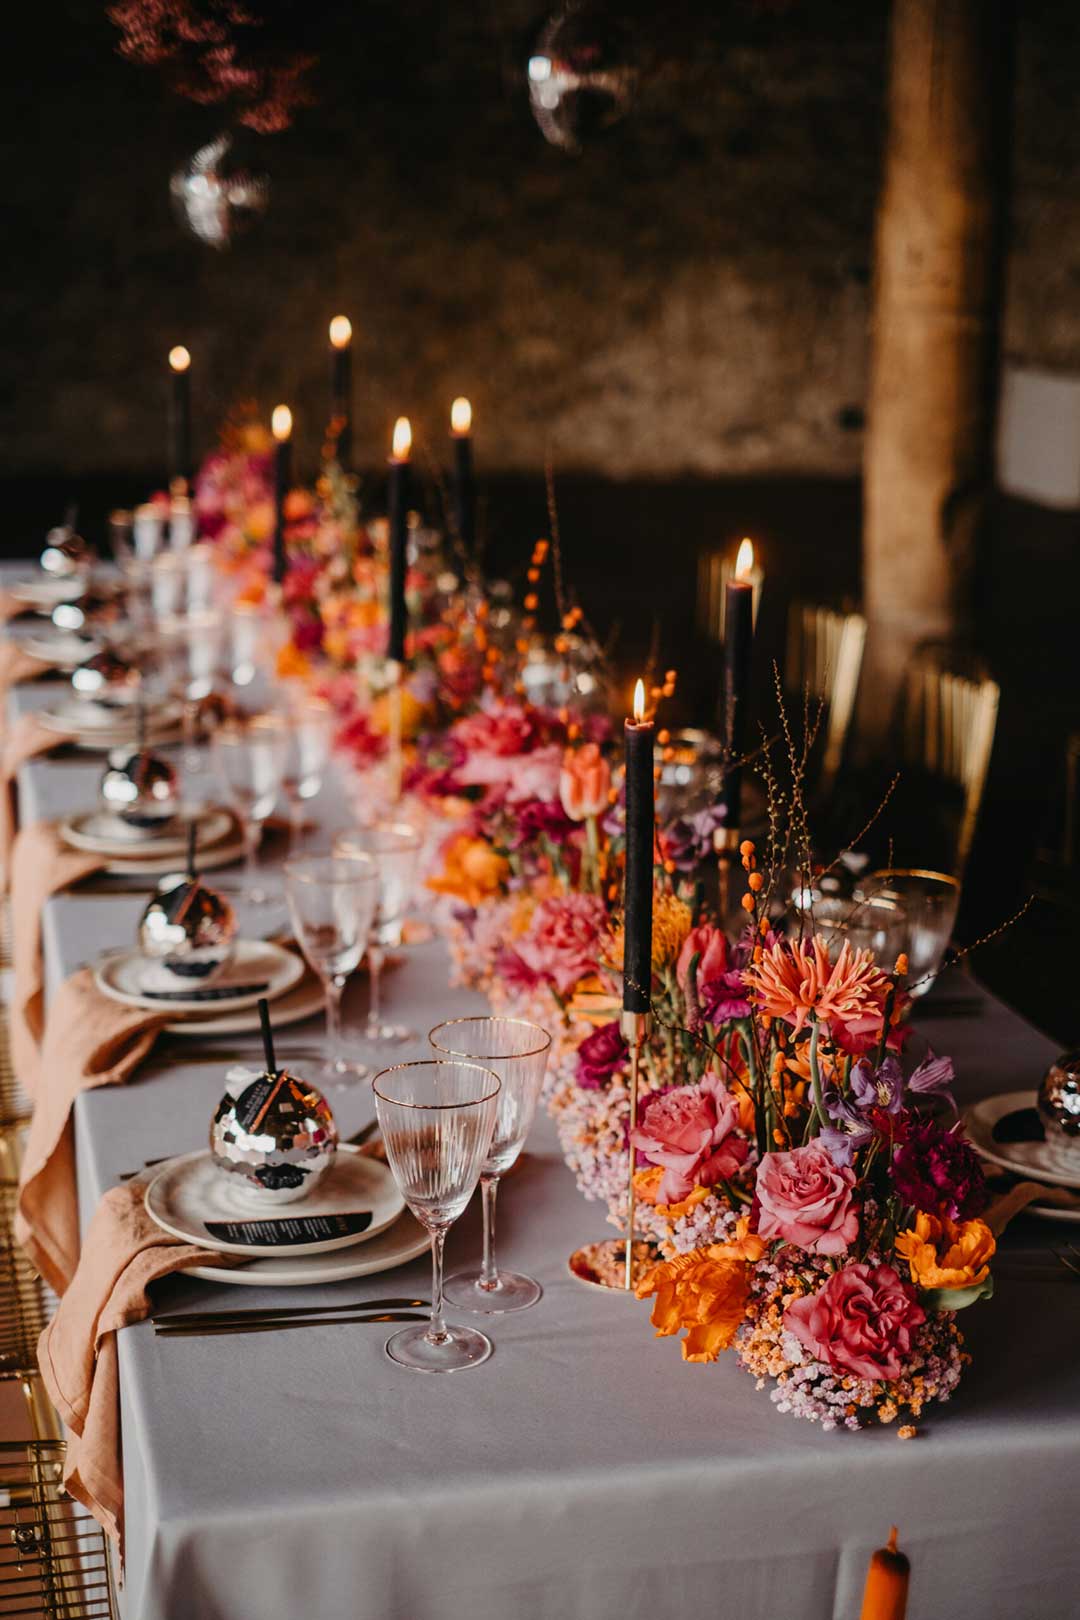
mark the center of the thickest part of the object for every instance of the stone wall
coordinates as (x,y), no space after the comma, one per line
(688,296)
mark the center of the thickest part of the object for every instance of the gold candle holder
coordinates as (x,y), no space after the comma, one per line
(597,1264)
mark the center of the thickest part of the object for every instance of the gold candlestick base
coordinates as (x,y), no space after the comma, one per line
(603,1265)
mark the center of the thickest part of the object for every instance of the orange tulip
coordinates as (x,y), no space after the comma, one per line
(472,871)
(946,1254)
(584,782)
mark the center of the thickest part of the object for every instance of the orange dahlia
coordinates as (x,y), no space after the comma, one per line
(796,982)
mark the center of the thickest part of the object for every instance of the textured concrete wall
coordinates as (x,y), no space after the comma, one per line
(689,295)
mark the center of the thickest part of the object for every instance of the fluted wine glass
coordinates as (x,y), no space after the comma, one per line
(437,1118)
(310,738)
(395,847)
(249,757)
(517,1052)
(331,900)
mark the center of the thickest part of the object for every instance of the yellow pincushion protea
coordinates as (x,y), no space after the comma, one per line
(671,921)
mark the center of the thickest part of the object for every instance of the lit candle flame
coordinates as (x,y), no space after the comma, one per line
(341,331)
(402,442)
(281,423)
(639,702)
(179,359)
(460,416)
(744,562)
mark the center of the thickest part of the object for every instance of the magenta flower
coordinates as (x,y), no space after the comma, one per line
(937,1170)
(601,1055)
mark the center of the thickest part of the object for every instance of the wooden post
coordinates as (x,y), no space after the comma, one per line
(933,373)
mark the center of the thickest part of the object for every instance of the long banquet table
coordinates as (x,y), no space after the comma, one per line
(584,1471)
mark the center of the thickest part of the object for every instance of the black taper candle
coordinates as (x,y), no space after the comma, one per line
(192,843)
(464,493)
(637,894)
(282,430)
(398,510)
(735,697)
(267,1035)
(341,385)
(180,456)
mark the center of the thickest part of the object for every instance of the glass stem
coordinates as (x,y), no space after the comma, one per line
(376,957)
(335,988)
(436,1332)
(489,1272)
(251,858)
(296,824)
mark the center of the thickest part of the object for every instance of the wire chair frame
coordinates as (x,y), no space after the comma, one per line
(948,722)
(55,1560)
(824,656)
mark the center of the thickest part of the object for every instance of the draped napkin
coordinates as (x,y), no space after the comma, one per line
(10,607)
(42,865)
(16,664)
(123,1253)
(90,1040)
(26,739)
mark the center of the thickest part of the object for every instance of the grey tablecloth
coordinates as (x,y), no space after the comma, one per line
(584,1473)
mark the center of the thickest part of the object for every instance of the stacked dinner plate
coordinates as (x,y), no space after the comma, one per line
(1007,1131)
(352,1225)
(228,1005)
(103,726)
(145,852)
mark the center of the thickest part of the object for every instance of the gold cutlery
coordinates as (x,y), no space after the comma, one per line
(171,1319)
(263,1325)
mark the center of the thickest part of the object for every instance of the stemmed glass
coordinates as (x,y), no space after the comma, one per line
(517,1051)
(437,1120)
(250,760)
(310,737)
(395,848)
(331,900)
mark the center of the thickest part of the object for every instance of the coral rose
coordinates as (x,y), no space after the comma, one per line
(806,1200)
(689,1131)
(721,994)
(706,1293)
(946,1254)
(584,782)
(564,940)
(860,1322)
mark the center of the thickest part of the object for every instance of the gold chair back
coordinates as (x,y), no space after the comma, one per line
(824,657)
(55,1560)
(948,721)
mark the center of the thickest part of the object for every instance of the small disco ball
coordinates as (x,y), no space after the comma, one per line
(274,1134)
(215,196)
(581,74)
(1059,1096)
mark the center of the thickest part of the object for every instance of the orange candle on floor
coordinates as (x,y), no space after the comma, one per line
(885,1596)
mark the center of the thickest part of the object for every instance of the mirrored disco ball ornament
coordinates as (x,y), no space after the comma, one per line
(66,554)
(107,677)
(189,928)
(581,75)
(141,788)
(1059,1096)
(275,1134)
(215,196)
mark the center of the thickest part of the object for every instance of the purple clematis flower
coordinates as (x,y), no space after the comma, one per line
(878,1088)
(934,1078)
(689,840)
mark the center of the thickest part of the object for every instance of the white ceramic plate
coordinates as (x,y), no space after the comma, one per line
(188,1192)
(91,726)
(158,866)
(1050,1161)
(60,648)
(126,976)
(399,1244)
(304,1000)
(45,593)
(101,832)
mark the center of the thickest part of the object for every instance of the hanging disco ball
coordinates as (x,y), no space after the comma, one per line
(581,75)
(214,196)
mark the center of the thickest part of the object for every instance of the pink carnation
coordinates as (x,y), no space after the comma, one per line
(860,1322)
(564,939)
(805,1199)
(520,776)
(504,730)
(689,1130)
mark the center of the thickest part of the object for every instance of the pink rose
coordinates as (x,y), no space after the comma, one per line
(689,1130)
(711,945)
(806,1200)
(721,994)
(503,730)
(564,939)
(860,1322)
